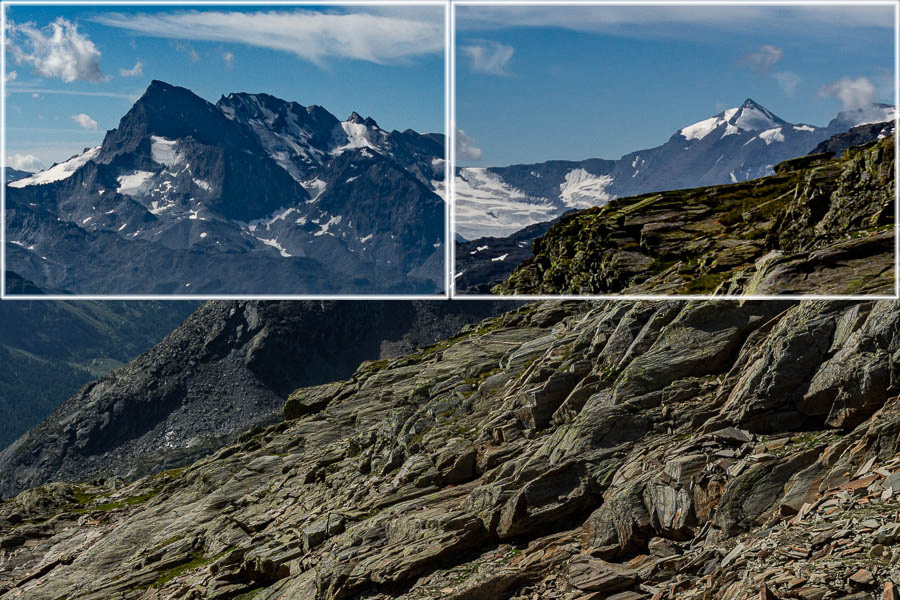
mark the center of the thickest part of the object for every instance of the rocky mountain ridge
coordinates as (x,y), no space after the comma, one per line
(820,225)
(226,368)
(49,349)
(738,144)
(578,451)
(205,199)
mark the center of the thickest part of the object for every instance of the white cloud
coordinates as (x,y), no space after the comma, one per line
(189,50)
(228,58)
(680,21)
(788,80)
(465,147)
(382,36)
(763,60)
(853,93)
(56,51)
(135,71)
(25,162)
(35,95)
(489,57)
(11,76)
(85,121)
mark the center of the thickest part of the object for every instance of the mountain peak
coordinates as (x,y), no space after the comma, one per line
(160,95)
(752,116)
(160,89)
(157,84)
(355,117)
(173,112)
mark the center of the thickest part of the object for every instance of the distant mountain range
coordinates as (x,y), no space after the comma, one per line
(251,195)
(735,145)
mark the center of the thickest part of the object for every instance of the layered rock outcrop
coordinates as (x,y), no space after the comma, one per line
(562,451)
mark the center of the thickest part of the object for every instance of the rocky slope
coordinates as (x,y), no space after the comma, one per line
(226,368)
(251,195)
(485,262)
(577,451)
(855,136)
(820,225)
(48,350)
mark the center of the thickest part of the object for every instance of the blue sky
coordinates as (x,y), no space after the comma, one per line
(73,71)
(540,83)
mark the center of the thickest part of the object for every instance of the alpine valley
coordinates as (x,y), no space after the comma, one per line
(251,195)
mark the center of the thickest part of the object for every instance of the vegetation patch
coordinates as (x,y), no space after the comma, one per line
(195,561)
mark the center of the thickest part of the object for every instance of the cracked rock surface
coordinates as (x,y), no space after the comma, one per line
(568,451)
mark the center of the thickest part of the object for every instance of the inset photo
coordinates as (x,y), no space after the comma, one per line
(289,150)
(677,150)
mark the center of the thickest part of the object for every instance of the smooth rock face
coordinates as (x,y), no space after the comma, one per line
(819,225)
(663,473)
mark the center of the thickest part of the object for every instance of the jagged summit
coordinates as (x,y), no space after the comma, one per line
(355,117)
(173,112)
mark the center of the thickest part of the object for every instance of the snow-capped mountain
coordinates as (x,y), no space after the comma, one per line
(251,195)
(866,115)
(737,144)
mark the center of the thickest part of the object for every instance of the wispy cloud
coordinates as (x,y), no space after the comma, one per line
(763,60)
(25,162)
(488,57)
(788,80)
(680,22)
(11,76)
(380,37)
(135,71)
(187,49)
(85,121)
(853,93)
(228,59)
(466,148)
(55,51)
(31,90)
(762,63)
